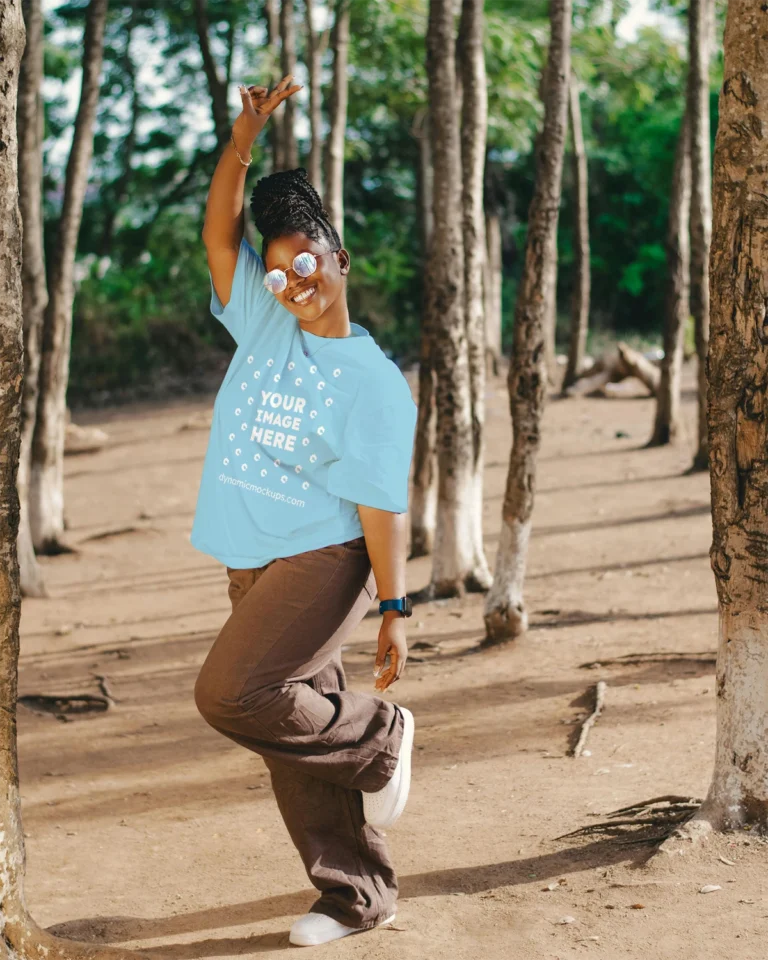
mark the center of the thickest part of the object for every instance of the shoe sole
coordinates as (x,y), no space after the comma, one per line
(313,943)
(406,750)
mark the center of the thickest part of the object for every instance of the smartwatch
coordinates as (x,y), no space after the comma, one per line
(403,604)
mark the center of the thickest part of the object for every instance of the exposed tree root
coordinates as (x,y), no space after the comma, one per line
(600,689)
(667,812)
(27,941)
(661,657)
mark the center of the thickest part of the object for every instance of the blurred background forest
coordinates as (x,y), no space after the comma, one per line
(141,320)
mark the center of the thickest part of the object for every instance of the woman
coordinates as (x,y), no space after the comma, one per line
(303,497)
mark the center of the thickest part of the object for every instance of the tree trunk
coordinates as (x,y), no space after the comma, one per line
(581,290)
(35,291)
(288,66)
(217,87)
(46,493)
(549,281)
(474,129)
(505,613)
(21,937)
(738,434)
(492,279)
(699,31)
(423,497)
(115,196)
(454,553)
(333,195)
(667,425)
(275,125)
(314,52)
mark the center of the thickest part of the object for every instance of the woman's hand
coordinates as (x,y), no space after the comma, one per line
(258,104)
(391,641)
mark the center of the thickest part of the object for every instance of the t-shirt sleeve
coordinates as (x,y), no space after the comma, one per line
(375,462)
(249,298)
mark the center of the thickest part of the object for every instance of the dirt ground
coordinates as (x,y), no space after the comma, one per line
(146,828)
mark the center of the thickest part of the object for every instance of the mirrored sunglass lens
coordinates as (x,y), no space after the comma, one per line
(305,264)
(276,281)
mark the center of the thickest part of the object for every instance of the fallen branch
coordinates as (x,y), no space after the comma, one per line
(641,367)
(83,439)
(612,367)
(63,707)
(600,689)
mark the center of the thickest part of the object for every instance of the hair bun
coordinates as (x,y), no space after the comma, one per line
(285,202)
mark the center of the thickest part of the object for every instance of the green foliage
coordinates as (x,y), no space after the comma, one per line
(142,305)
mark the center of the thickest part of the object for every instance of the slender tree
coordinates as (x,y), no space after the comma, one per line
(314,64)
(46,492)
(423,497)
(582,286)
(114,196)
(738,439)
(333,195)
(492,276)
(474,129)
(35,290)
(667,425)
(288,66)
(276,127)
(454,555)
(505,613)
(217,85)
(700,29)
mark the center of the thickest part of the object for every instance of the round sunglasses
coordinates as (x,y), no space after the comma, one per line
(304,264)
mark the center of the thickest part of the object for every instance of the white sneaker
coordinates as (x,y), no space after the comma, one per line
(315,928)
(383,807)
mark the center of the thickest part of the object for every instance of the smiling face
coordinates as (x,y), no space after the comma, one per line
(322,289)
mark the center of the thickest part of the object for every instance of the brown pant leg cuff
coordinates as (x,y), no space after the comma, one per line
(332,911)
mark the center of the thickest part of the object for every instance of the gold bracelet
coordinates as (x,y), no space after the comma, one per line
(237,153)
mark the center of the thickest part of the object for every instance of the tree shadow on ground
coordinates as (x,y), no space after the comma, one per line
(433,883)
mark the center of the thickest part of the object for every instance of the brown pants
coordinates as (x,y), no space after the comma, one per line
(273,682)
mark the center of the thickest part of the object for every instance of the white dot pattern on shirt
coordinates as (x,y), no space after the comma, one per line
(312,413)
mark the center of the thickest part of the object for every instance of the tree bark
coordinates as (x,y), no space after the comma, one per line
(275,125)
(288,66)
(549,281)
(21,937)
(738,433)
(454,553)
(115,195)
(667,425)
(505,613)
(423,498)
(46,493)
(29,122)
(474,129)
(217,87)
(699,30)
(492,280)
(333,195)
(582,287)
(314,53)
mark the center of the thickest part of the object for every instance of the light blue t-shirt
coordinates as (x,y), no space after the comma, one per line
(297,441)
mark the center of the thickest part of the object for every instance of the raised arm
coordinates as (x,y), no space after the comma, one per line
(223,228)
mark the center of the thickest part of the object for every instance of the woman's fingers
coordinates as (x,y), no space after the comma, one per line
(391,673)
(287,93)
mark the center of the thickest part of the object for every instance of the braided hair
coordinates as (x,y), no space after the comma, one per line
(287,203)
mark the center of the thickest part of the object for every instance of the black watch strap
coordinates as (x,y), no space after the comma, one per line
(403,604)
